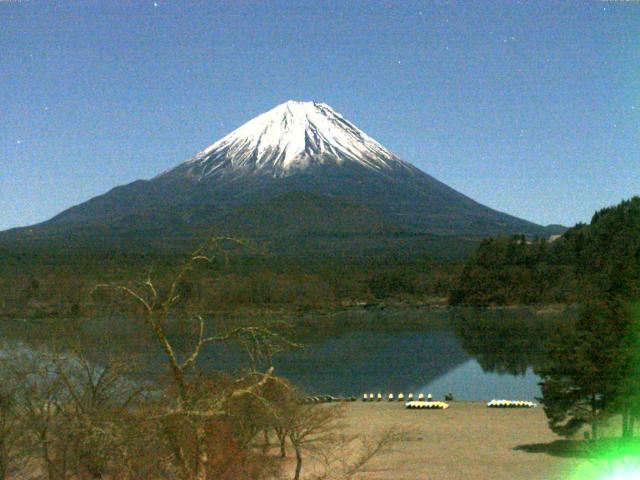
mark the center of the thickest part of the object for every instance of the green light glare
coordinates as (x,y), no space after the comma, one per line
(624,474)
(613,460)
(616,458)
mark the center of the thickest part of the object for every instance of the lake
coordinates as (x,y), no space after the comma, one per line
(420,362)
(473,354)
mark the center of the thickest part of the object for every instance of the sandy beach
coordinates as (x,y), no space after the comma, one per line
(468,441)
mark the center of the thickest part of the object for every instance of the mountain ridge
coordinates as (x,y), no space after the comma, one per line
(298,148)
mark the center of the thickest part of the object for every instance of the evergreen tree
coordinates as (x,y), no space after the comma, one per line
(627,401)
(596,261)
(586,368)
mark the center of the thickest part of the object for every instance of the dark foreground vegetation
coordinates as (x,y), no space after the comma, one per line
(63,416)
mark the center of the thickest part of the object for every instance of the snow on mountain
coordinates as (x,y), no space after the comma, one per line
(287,139)
(299,171)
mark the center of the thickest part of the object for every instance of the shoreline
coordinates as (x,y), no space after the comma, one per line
(323,311)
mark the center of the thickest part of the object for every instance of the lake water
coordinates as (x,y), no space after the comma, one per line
(420,362)
(476,356)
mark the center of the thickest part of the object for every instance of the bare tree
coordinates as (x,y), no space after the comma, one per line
(189,413)
(75,416)
(318,432)
(311,428)
(11,432)
(350,455)
(85,419)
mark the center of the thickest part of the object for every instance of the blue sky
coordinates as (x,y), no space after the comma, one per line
(532,108)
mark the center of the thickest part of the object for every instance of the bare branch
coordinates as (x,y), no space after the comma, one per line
(199,344)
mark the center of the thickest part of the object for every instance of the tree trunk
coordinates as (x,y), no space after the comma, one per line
(5,454)
(4,460)
(298,462)
(625,423)
(51,471)
(594,420)
(282,438)
(267,441)
(178,455)
(203,457)
(283,448)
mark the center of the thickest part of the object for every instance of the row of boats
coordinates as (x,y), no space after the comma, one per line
(510,404)
(369,397)
(492,404)
(428,403)
(420,402)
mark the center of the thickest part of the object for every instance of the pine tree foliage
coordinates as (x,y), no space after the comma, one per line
(599,260)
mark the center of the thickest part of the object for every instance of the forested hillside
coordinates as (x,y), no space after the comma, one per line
(597,260)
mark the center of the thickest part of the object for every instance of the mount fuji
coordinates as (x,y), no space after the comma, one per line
(289,139)
(300,177)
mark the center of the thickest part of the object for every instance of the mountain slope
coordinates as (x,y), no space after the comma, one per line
(299,157)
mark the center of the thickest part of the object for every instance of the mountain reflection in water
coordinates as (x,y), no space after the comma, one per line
(478,356)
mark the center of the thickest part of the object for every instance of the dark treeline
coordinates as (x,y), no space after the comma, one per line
(60,285)
(582,264)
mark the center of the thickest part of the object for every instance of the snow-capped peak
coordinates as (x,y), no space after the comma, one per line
(290,138)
